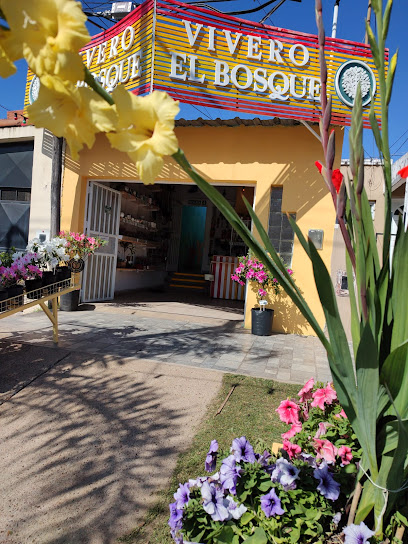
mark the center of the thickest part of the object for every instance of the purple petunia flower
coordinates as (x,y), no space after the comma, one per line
(211,459)
(242,450)
(213,501)
(309,459)
(262,459)
(176,515)
(285,474)
(357,534)
(198,482)
(271,505)
(235,511)
(328,487)
(182,495)
(229,473)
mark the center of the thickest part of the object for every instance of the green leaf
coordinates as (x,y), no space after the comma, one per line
(374,126)
(389,435)
(259,537)
(399,287)
(367,371)
(246,517)
(355,316)
(226,536)
(366,503)
(390,77)
(341,365)
(373,45)
(386,19)
(394,375)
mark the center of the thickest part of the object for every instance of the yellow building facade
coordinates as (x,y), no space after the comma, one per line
(262,155)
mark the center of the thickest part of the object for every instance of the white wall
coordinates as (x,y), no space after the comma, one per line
(40,208)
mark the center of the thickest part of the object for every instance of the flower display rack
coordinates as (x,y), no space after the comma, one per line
(40,297)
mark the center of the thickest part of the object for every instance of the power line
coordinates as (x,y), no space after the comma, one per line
(202,112)
(406,140)
(402,135)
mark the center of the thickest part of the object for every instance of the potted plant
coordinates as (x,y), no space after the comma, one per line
(252,270)
(50,255)
(77,247)
(10,278)
(33,282)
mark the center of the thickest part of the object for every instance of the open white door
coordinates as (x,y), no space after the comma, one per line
(102,217)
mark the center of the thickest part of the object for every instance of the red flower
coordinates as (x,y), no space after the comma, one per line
(403,173)
(337,176)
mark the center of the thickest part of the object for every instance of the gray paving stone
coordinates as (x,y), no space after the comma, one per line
(222,344)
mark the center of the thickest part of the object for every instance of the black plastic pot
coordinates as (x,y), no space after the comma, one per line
(63,273)
(34,285)
(3,297)
(48,278)
(261,323)
(16,293)
(70,301)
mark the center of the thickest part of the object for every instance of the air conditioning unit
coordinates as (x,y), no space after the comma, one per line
(121,9)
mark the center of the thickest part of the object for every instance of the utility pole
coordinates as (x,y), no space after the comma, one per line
(368,21)
(56,171)
(335,17)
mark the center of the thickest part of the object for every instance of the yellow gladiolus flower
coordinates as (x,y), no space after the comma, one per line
(76,113)
(7,68)
(145,130)
(48,33)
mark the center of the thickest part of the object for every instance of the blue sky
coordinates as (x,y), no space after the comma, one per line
(295,16)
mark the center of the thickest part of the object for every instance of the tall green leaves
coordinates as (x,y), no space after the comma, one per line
(373,390)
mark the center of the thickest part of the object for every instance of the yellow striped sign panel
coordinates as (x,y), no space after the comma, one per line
(210,59)
(205,58)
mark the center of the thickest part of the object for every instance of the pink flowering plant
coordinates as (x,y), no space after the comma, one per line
(253,270)
(320,427)
(23,267)
(299,495)
(80,246)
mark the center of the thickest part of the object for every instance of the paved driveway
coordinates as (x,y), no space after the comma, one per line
(188,334)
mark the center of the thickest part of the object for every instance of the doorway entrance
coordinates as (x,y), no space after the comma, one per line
(192,238)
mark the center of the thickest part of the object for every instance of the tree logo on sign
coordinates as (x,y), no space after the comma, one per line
(348,76)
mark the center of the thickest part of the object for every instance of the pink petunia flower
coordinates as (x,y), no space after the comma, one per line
(325,450)
(324,396)
(307,390)
(345,454)
(262,293)
(322,430)
(295,428)
(341,414)
(293,450)
(288,411)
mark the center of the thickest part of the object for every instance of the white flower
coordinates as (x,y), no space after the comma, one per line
(17,255)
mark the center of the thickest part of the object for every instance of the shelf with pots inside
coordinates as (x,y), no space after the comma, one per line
(141,201)
(138,241)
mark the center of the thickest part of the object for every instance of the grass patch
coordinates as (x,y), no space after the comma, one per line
(250,411)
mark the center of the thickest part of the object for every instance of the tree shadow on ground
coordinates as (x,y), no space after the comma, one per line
(88,444)
(183,343)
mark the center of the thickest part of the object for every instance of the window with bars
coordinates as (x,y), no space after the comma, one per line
(280,232)
(19,195)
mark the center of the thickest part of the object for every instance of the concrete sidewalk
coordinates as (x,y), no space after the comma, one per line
(87,444)
(188,334)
